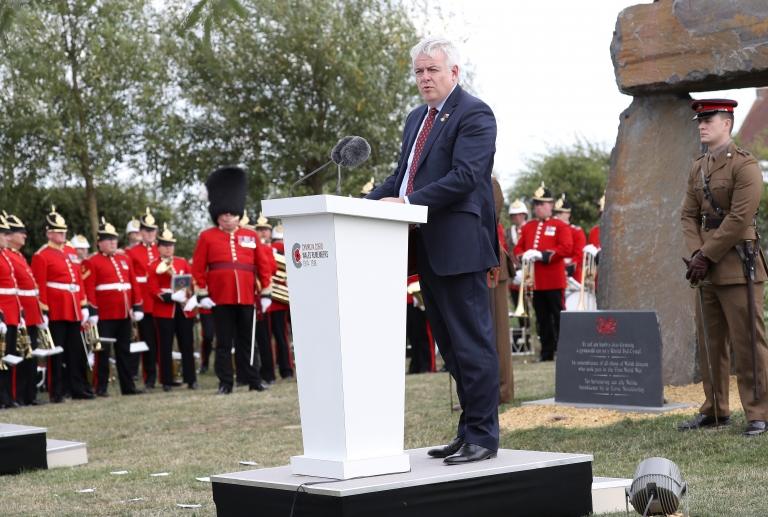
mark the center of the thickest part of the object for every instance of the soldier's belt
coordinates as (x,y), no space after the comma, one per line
(214,266)
(117,286)
(72,288)
(141,279)
(710,222)
(27,292)
(8,290)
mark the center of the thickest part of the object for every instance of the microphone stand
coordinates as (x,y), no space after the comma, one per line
(338,181)
(301,180)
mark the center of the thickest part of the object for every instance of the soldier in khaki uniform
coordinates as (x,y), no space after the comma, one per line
(718,217)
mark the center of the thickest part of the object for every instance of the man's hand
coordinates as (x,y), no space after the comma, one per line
(697,268)
(266,302)
(591,249)
(137,316)
(207,303)
(532,255)
(393,199)
(179,296)
(84,315)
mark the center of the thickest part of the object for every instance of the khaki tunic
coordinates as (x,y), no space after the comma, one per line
(736,183)
(500,307)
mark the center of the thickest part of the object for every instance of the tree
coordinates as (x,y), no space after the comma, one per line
(277,89)
(82,83)
(579,171)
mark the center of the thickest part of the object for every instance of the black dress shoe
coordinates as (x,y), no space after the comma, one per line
(167,387)
(703,422)
(224,389)
(468,454)
(448,450)
(57,399)
(83,396)
(102,394)
(192,386)
(38,402)
(134,392)
(203,369)
(755,428)
(257,387)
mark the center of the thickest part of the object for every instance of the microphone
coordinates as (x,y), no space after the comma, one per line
(335,158)
(350,152)
(355,152)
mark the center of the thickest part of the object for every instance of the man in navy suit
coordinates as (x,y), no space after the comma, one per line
(445,163)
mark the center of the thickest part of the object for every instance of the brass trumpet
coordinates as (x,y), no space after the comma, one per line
(45,340)
(165,267)
(526,286)
(24,343)
(3,366)
(588,273)
(91,339)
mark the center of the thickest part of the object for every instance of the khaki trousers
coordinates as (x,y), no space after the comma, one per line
(725,311)
(500,309)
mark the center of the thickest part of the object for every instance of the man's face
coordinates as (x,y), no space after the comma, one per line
(133,238)
(518,219)
(166,250)
(434,77)
(148,236)
(563,216)
(108,246)
(714,130)
(16,240)
(57,237)
(265,234)
(82,253)
(228,222)
(3,240)
(542,209)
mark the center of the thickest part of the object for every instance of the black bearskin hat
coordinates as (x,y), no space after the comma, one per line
(226,192)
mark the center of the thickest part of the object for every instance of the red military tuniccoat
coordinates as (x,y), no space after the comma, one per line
(111,285)
(141,255)
(579,241)
(594,236)
(28,292)
(160,284)
(9,301)
(227,264)
(58,277)
(549,235)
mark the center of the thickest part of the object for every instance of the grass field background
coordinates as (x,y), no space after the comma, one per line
(192,434)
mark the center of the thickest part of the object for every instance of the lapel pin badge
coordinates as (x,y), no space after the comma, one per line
(445,117)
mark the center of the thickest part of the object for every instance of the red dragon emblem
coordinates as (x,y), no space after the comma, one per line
(606,326)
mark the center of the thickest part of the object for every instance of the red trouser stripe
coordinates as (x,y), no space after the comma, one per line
(431,348)
(95,370)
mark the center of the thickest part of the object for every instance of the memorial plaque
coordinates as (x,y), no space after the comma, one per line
(609,358)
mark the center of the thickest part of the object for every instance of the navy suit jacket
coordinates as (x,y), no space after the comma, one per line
(453,179)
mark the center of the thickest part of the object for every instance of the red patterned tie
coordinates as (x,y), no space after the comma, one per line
(420,141)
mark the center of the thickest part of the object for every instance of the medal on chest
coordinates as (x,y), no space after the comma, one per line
(247,241)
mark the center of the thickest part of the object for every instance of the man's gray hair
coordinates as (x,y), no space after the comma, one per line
(432,45)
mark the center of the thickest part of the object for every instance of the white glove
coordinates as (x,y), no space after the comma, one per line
(207,303)
(137,316)
(44,324)
(265,303)
(3,327)
(93,320)
(84,314)
(191,304)
(591,249)
(532,255)
(518,277)
(179,296)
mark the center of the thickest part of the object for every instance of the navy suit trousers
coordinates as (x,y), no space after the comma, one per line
(459,311)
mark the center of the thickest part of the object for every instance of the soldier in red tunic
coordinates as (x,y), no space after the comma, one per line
(63,301)
(170,317)
(28,293)
(546,241)
(115,300)
(573,263)
(230,274)
(141,254)
(10,308)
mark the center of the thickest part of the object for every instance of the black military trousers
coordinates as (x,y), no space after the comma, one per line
(208,332)
(27,388)
(267,369)
(233,329)
(9,381)
(416,332)
(278,325)
(548,304)
(121,331)
(182,328)
(17,372)
(66,334)
(148,334)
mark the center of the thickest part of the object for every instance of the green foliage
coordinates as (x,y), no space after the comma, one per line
(760,150)
(580,171)
(275,91)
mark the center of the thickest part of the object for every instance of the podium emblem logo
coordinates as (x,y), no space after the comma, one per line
(296,255)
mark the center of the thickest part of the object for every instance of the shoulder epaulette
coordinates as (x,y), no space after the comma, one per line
(41,248)
(700,157)
(743,152)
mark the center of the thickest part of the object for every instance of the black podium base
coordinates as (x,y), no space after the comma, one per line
(520,483)
(22,448)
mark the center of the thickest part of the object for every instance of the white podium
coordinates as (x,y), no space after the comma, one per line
(347,266)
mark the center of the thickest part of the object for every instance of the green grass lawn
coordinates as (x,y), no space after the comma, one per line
(193,434)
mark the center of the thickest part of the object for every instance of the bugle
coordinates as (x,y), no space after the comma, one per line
(526,286)
(24,343)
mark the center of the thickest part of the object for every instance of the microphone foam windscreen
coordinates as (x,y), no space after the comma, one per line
(355,152)
(336,151)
